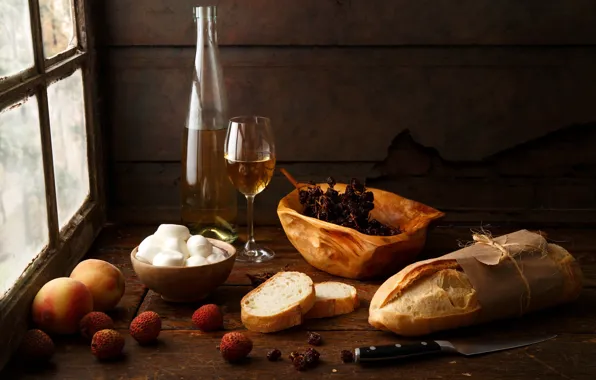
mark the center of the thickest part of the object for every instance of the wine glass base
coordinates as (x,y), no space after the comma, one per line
(257,255)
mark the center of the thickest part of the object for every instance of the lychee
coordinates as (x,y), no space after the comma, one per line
(235,346)
(94,322)
(107,344)
(145,328)
(208,318)
(36,346)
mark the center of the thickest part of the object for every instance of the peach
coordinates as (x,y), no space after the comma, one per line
(103,279)
(60,304)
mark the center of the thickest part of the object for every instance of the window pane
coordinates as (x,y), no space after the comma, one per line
(23,214)
(57,26)
(69,145)
(16,47)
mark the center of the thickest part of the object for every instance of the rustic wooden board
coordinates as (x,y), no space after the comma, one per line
(355,22)
(116,243)
(184,352)
(574,318)
(349,104)
(188,354)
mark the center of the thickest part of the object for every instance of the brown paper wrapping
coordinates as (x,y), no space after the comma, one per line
(512,274)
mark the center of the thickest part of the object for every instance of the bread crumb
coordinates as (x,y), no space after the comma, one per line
(467,374)
(452,362)
(333,370)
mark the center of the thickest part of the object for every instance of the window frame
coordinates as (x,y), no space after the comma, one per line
(67,245)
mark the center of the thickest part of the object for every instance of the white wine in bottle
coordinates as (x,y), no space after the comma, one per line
(208,198)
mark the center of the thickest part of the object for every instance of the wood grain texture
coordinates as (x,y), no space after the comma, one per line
(572,318)
(160,189)
(185,352)
(191,355)
(149,193)
(356,22)
(349,104)
(347,253)
(461,129)
(442,238)
(119,240)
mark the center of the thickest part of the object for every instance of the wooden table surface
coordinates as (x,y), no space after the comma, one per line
(186,353)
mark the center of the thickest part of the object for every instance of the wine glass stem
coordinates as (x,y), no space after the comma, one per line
(250,243)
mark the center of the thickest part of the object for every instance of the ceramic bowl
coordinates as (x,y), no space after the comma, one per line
(345,252)
(185,284)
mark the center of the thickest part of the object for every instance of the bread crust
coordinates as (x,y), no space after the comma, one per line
(407,324)
(572,273)
(396,284)
(291,316)
(330,307)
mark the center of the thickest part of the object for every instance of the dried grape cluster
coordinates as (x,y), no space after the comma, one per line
(273,355)
(307,359)
(348,209)
(314,338)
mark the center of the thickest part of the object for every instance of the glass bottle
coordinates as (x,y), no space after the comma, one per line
(209,200)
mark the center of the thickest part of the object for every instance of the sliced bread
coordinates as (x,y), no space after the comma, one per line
(278,303)
(333,298)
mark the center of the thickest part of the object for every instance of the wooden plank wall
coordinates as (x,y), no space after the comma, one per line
(484,109)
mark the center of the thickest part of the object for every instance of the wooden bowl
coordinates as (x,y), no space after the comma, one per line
(185,284)
(345,252)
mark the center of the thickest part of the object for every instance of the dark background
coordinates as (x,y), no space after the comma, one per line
(483,109)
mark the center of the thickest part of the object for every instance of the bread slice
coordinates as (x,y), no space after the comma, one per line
(278,303)
(333,298)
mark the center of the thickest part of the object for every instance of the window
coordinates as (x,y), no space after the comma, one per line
(51,203)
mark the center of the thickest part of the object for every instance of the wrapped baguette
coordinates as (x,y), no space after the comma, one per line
(491,279)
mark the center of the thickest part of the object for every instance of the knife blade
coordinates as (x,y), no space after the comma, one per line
(429,347)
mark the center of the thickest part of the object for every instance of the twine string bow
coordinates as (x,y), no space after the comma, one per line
(505,254)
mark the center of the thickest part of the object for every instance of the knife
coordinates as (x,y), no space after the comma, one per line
(429,347)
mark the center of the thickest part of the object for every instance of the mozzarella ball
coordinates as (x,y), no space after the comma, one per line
(198,245)
(150,241)
(148,253)
(195,261)
(176,244)
(172,230)
(168,258)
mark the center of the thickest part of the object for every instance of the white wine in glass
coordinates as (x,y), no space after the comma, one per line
(252,176)
(250,162)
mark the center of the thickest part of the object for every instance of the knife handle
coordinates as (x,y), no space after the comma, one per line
(396,351)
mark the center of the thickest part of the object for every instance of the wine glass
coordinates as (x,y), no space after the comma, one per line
(250,162)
